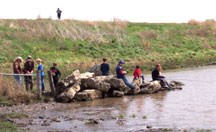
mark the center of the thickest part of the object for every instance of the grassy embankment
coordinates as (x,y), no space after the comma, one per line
(79,45)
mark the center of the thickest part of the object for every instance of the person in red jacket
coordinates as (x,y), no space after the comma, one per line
(138,73)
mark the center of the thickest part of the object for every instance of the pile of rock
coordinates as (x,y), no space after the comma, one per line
(87,86)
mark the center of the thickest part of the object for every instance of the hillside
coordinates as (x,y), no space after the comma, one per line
(81,44)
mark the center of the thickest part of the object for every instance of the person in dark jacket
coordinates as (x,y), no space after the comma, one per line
(104,67)
(56,74)
(156,75)
(120,73)
(28,69)
(59,13)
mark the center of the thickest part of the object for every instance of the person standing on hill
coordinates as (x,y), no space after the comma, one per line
(18,70)
(41,68)
(28,69)
(56,74)
(138,74)
(156,75)
(120,73)
(59,13)
(105,67)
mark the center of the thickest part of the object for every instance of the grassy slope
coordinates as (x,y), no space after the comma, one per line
(79,45)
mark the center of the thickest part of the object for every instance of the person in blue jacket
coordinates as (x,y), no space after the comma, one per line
(120,73)
(41,68)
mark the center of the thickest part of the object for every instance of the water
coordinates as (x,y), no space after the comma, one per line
(194,107)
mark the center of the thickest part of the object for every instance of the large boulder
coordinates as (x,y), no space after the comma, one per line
(116,93)
(86,75)
(68,94)
(88,95)
(96,70)
(150,87)
(116,84)
(68,82)
(95,83)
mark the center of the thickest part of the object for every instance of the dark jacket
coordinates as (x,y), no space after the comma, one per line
(55,73)
(156,75)
(28,66)
(104,69)
(119,72)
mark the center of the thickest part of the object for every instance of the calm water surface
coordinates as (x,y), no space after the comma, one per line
(192,107)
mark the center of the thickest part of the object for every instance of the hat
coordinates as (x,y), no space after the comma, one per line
(121,62)
(29,57)
(38,60)
(19,58)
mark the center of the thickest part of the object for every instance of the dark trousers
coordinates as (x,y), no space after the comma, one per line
(55,81)
(28,83)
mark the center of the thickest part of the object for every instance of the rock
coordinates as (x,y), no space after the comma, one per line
(67,82)
(150,87)
(96,70)
(133,91)
(68,94)
(86,75)
(137,82)
(57,119)
(92,121)
(88,95)
(95,83)
(116,84)
(117,93)
(45,124)
(148,127)
(41,117)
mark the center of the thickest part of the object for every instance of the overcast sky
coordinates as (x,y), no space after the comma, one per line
(106,10)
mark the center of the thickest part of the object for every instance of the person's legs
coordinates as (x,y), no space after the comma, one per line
(18,78)
(127,83)
(143,79)
(42,83)
(31,82)
(27,83)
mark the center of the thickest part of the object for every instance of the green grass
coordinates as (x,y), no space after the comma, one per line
(6,126)
(79,44)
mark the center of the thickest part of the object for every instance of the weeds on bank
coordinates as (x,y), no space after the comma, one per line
(10,92)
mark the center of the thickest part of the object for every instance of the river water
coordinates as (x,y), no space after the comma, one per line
(194,107)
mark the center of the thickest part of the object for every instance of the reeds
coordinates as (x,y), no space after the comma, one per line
(10,89)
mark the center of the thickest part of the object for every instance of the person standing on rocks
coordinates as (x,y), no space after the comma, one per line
(59,13)
(138,74)
(156,75)
(29,69)
(105,67)
(56,74)
(17,70)
(41,68)
(120,73)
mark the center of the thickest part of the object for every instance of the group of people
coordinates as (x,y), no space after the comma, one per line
(28,71)
(121,73)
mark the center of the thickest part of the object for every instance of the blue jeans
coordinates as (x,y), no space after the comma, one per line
(18,78)
(42,83)
(127,82)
